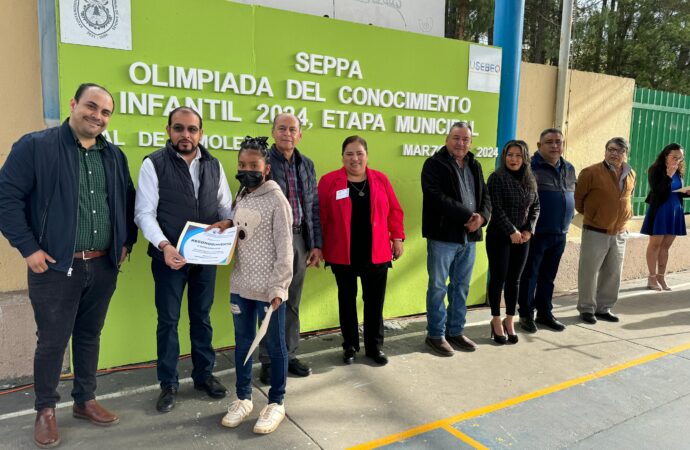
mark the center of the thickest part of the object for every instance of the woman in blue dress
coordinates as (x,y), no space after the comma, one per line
(664,219)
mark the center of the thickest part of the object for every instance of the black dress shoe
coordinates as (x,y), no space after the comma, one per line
(212,387)
(527,324)
(297,367)
(166,401)
(265,374)
(349,355)
(607,316)
(588,318)
(550,322)
(379,357)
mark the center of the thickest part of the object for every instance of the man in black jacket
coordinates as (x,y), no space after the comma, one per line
(178,183)
(67,205)
(455,207)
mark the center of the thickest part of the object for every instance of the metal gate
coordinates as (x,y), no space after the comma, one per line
(658,118)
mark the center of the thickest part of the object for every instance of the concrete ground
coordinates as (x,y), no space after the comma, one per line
(613,385)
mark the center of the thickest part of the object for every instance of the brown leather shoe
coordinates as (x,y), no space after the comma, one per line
(46,433)
(94,413)
(440,346)
(462,342)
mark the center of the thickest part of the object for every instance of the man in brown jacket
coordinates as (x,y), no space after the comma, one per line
(603,196)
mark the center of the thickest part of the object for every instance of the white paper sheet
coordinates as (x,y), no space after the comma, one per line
(262,332)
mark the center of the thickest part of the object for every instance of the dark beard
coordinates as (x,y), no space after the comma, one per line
(184,152)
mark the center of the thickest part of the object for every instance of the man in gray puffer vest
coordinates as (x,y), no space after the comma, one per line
(178,183)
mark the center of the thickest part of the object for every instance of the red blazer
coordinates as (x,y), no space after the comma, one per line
(336,215)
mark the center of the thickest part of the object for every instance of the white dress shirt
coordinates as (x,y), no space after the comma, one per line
(147,198)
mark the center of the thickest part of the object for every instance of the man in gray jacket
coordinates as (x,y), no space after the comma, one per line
(295,175)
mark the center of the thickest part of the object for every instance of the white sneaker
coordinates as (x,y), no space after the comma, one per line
(269,418)
(237,412)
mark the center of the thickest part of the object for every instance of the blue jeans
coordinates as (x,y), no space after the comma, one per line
(446,259)
(536,284)
(245,313)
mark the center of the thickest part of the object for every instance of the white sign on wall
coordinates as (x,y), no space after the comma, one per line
(418,16)
(426,17)
(98,23)
(312,7)
(484,69)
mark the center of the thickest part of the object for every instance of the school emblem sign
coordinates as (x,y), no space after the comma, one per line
(99,23)
(98,16)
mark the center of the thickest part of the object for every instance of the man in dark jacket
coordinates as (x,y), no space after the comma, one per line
(178,183)
(67,205)
(455,207)
(295,175)
(556,187)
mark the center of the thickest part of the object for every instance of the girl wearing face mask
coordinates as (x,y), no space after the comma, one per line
(260,280)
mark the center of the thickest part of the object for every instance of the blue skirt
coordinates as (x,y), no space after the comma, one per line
(669,218)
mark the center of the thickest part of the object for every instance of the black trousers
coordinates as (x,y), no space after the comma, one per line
(65,307)
(373,293)
(169,287)
(506,263)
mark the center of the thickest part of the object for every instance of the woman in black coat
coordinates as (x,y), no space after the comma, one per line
(515,209)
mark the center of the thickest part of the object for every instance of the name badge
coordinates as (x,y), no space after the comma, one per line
(342,193)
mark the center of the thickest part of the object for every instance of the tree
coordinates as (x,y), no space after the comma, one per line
(470,20)
(648,40)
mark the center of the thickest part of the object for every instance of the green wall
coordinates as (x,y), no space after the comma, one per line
(228,37)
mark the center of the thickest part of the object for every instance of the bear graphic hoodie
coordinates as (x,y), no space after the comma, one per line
(263,256)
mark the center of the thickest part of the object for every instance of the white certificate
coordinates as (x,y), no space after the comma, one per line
(262,332)
(683,190)
(211,247)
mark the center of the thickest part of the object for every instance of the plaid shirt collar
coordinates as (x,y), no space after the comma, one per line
(99,145)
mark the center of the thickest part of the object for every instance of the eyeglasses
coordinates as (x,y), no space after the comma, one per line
(620,151)
(177,128)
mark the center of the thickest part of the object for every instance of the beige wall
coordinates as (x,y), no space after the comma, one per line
(599,108)
(537,102)
(20,94)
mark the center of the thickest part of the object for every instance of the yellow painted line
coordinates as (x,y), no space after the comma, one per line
(464,438)
(447,423)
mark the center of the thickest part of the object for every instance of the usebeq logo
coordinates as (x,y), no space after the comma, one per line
(485,67)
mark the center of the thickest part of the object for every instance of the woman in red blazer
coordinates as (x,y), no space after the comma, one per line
(362,224)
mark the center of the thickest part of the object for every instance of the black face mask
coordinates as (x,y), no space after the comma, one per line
(249,178)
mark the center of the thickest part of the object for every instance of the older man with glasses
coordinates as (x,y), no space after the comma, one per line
(604,197)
